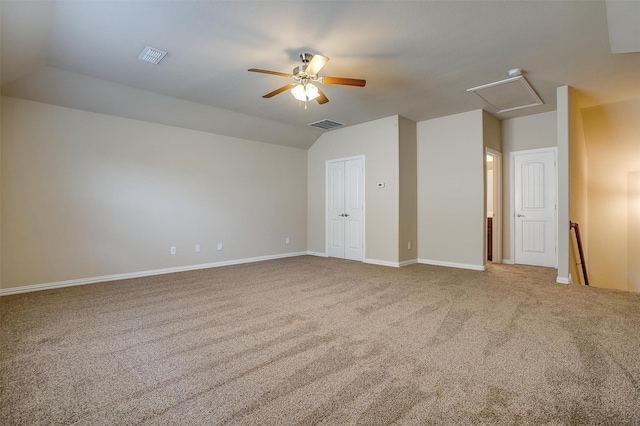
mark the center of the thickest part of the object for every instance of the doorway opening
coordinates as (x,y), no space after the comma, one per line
(493,191)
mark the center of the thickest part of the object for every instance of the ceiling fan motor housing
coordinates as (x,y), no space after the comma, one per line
(299,71)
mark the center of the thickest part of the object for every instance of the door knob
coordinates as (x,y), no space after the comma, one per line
(346,215)
(520,215)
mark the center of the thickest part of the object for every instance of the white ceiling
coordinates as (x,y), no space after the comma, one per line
(418,58)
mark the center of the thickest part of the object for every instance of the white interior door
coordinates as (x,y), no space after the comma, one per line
(354,203)
(335,209)
(535,208)
(345,207)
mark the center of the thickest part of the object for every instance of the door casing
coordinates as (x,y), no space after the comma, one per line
(497,206)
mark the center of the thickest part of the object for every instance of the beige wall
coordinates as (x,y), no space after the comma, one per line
(87,195)
(408,191)
(491,131)
(612,134)
(530,132)
(378,141)
(565,103)
(1,149)
(451,196)
(633,232)
(578,211)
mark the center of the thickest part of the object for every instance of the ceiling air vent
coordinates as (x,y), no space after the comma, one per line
(508,95)
(326,124)
(151,54)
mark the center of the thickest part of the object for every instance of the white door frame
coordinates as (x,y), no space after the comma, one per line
(496,255)
(326,202)
(512,206)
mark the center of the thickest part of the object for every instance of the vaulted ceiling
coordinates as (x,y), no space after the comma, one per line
(418,58)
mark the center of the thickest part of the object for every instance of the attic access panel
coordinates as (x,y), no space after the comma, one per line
(507,95)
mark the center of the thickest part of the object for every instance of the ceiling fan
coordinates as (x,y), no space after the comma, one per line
(305,75)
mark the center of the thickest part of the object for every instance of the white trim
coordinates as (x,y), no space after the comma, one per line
(563,280)
(453,264)
(382,262)
(507,261)
(104,278)
(389,263)
(315,253)
(353,157)
(497,201)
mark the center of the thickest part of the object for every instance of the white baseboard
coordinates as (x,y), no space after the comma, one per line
(507,261)
(93,280)
(563,280)
(389,263)
(382,262)
(315,253)
(453,264)
(373,261)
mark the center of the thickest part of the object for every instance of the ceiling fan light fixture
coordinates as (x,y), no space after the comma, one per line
(298,92)
(305,92)
(311,91)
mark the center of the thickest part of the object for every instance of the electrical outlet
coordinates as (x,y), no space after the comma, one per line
(219,246)
(409,245)
(197,248)
(173,249)
(287,240)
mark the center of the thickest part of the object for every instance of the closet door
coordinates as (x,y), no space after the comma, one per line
(335,209)
(354,205)
(345,209)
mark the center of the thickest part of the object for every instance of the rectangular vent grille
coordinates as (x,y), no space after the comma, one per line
(326,124)
(507,95)
(152,55)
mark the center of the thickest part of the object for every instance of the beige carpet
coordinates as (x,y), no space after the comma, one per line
(322,341)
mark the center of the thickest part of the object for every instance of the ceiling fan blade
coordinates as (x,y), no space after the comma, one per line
(316,64)
(322,98)
(280,90)
(281,74)
(344,81)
